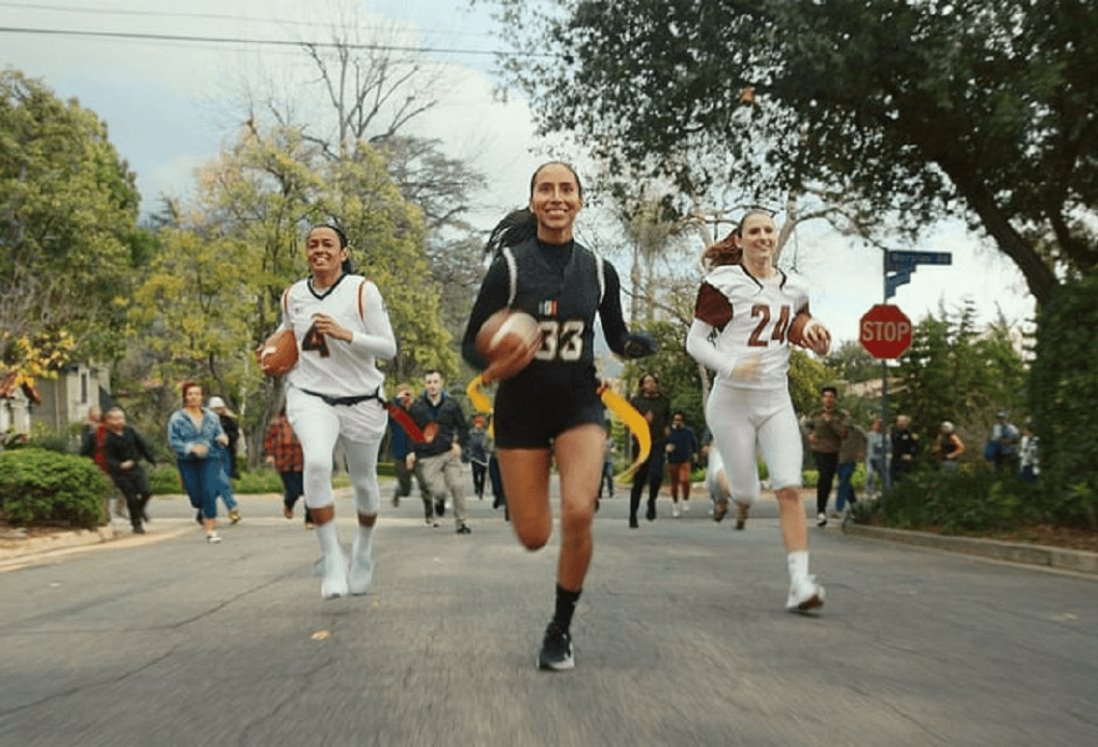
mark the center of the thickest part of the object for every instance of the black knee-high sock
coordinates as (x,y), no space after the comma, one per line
(566,605)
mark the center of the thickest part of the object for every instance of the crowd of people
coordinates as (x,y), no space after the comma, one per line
(748,316)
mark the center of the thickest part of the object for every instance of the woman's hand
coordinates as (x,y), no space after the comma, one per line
(222,439)
(327,326)
(817,338)
(200,450)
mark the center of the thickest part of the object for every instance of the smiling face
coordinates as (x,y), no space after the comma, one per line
(324,252)
(758,240)
(555,200)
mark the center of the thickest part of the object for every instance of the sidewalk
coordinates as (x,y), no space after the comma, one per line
(17,549)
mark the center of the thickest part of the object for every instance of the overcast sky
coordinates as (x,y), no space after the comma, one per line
(171,105)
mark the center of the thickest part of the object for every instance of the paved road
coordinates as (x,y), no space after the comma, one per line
(681,639)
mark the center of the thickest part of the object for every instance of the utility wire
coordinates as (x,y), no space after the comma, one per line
(212,16)
(264,42)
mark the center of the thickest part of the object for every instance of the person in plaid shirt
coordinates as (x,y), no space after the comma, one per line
(283,452)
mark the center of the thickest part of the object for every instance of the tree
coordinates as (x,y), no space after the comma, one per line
(68,211)
(214,289)
(914,109)
(954,371)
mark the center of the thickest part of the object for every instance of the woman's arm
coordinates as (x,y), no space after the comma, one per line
(377,339)
(492,296)
(614,330)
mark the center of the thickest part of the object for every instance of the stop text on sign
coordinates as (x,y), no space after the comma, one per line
(887,331)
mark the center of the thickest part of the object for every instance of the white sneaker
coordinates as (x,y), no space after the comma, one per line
(675,512)
(821,519)
(805,595)
(213,538)
(335,582)
(685,507)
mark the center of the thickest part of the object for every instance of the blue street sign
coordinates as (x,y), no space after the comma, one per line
(903,260)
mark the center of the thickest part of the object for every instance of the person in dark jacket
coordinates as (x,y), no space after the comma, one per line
(445,433)
(682,451)
(123,450)
(478,455)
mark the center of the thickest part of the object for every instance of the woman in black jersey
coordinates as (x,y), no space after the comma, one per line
(552,408)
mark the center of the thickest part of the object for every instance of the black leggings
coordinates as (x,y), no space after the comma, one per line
(826,464)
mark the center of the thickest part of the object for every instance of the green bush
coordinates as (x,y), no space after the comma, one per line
(260,481)
(966,501)
(39,486)
(164,479)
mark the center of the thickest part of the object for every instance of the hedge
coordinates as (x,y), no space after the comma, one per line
(39,486)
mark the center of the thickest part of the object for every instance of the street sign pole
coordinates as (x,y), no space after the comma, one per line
(886,430)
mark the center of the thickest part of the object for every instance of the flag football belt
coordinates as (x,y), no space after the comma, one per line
(346,400)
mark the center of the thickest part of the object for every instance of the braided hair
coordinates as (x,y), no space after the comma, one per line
(520,225)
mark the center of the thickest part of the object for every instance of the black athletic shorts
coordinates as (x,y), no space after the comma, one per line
(525,418)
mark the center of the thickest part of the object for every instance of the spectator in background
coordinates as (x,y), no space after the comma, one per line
(607,467)
(905,446)
(826,429)
(123,450)
(1002,446)
(226,456)
(682,451)
(92,443)
(478,454)
(948,446)
(399,447)
(1028,454)
(851,451)
(874,459)
(656,409)
(283,452)
(193,433)
(445,431)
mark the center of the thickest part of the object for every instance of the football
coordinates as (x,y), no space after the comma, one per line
(508,340)
(796,334)
(278,354)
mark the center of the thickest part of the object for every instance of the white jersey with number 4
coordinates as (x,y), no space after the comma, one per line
(738,317)
(334,367)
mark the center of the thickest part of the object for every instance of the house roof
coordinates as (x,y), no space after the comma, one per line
(8,388)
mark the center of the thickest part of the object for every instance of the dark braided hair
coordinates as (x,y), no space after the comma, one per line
(347,266)
(725,251)
(520,225)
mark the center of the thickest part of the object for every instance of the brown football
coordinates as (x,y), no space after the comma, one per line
(796,333)
(278,354)
(508,339)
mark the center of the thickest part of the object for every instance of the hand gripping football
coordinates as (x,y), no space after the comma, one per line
(278,354)
(508,340)
(818,340)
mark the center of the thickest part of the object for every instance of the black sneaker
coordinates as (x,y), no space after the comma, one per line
(556,649)
(464,529)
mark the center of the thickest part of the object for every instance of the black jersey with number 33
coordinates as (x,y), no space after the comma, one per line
(562,287)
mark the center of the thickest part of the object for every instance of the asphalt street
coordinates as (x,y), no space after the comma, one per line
(681,638)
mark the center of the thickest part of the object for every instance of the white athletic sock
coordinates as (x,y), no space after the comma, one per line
(335,567)
(798,565)
(362,560)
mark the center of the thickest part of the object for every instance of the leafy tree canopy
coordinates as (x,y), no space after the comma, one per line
(912,108)
(68,211)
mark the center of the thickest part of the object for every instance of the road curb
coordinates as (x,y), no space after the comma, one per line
(1079,561)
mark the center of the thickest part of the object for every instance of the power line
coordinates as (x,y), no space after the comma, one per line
(211,16)
(264,42)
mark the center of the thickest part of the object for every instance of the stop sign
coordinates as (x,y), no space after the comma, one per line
(885,331)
